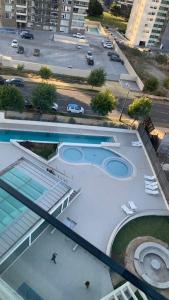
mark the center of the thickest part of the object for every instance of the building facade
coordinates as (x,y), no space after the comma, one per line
(147,22)
(56,15)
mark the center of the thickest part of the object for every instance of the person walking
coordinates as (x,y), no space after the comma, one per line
(53,258)
(87,284)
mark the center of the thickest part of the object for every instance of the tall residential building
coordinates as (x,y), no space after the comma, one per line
(147,22)
(57,15)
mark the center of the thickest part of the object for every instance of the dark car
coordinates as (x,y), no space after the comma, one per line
(2,80)
(90,61)
(20,50)
(27,35)
(15,81)
(36,52)
(28,104)
(116,59)
(110,53)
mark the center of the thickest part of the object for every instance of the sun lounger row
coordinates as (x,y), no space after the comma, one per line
(136,144)
(129,210)
(151,186)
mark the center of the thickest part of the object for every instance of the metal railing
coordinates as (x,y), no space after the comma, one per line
(155,161)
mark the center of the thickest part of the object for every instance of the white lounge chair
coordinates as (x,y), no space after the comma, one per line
(132,205)
(147,177)
(136,144)
(153,183)
(151,187)
(127,210)
(151,192)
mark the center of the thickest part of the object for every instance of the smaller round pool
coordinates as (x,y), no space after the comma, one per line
(72,154)
(118,167)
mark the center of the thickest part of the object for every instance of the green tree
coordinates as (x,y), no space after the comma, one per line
(45,72)
(151,84)
(140,108)
(161,59)
(43,96)
(11,98)
(95,8)
(97,77)
(166,83)
(20,68)
(103,102)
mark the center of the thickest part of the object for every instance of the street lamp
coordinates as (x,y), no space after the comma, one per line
(125,100)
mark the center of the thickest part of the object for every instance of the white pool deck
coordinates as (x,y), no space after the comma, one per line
(97,211)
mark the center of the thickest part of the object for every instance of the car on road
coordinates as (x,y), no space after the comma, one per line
(15,81)
(2,80)
(78,35)
(14,44)
(90,61)
(110,53)
(36,52)
(75,108)
(20,50)
(28,103)
(116,59)
(105,41)
(27,35)
(89,55)
(108,45)
(55,106)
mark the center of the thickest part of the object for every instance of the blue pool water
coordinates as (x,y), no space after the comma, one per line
(6,135)
(10,208)
(93,30)
(110,161)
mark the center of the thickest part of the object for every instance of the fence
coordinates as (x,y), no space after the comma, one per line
(155,161)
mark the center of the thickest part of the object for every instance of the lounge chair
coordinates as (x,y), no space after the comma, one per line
(136,144)
(147,177)
(151,192)
(127,210)
(132,205)
(153,183)
(151,187)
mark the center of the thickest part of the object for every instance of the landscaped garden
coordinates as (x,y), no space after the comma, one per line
(107,19)
(44,150)
(157,227)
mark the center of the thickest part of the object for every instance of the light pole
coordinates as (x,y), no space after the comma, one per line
(125,100)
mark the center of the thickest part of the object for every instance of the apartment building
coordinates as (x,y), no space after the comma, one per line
(125,2)
(147,22)
(56,15)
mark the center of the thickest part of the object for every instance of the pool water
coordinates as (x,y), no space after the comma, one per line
(10,208)
(93,30)
(108,160)
(6,135)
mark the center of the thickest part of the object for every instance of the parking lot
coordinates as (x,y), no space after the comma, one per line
(62,52)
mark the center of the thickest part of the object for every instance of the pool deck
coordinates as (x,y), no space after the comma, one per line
(97,212)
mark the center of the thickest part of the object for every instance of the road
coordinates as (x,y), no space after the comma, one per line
(160,111)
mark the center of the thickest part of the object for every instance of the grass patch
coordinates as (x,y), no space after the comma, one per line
(157,227)
(110,20)
(44,150)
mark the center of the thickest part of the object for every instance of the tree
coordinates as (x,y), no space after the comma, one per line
(140,108)
(103,102)
(95,8)
(166,83)
(43,96)
(97,77)
(45,72)
(20,68)
(161,59)
(151,84)
(11,98)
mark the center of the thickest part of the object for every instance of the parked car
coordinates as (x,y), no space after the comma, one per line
(2,80)
(15,81)
(78,35)
(110,53)
(24,31)
(14,44)
(28,103)
(89,55)
(55,106)
(90,61)
(27,35)
(20,50)
(36,52)
(105,41)
(116,58)
(108,45)
(75,108)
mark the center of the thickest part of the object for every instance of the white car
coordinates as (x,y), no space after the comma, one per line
(14,44)
(89,55)
(78,36)
(108,45)
(75,108)
(55,106)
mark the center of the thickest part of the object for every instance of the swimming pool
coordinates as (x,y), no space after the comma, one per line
(6,135)
(93,30)
(108,160)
